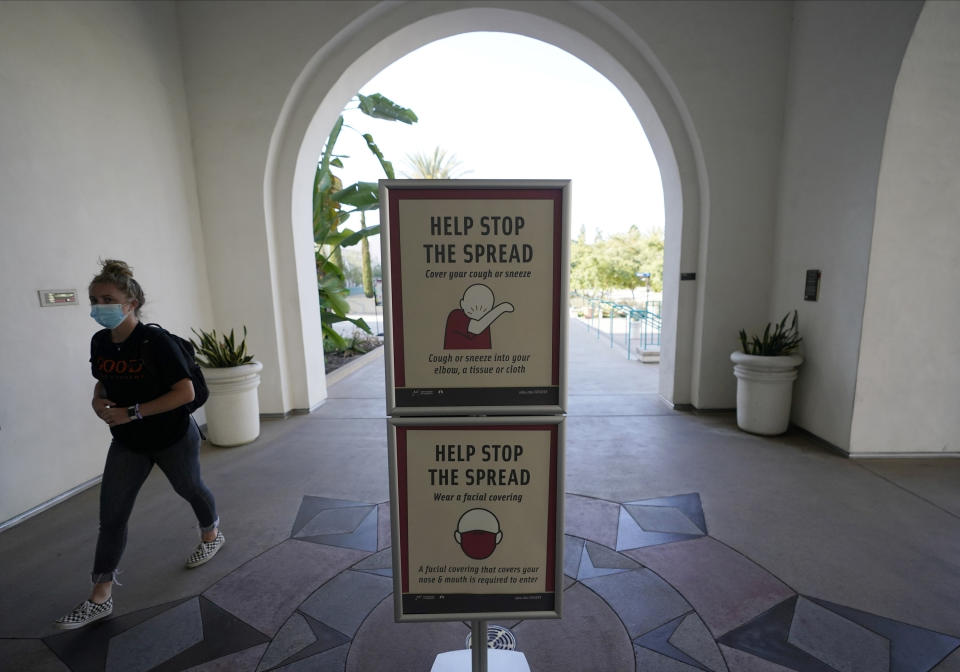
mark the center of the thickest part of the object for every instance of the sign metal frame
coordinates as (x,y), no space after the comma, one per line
(442,398)
(431,606)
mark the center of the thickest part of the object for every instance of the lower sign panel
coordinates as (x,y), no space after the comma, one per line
(477,517)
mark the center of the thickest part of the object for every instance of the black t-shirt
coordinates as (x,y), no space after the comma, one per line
(140,369)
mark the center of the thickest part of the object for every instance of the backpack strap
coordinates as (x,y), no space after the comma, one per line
(186,348)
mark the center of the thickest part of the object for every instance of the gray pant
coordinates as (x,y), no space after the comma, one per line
(124,474)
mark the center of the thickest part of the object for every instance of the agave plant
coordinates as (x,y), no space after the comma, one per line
(221,352)
(782,340)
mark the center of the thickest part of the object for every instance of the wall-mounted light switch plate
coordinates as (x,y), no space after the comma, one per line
(57,297)
(811,289)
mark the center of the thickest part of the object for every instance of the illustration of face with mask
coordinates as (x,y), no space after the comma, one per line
(478,533)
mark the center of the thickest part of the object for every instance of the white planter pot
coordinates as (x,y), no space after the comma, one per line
(233,409)
(764,391)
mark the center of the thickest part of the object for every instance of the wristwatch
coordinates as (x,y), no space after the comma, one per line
(133,412)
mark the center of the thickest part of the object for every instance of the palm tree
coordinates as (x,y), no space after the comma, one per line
(436,166)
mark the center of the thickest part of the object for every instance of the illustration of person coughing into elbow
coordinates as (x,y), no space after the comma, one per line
(468,327)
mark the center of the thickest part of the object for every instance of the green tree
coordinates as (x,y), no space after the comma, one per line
(585,262)
(649,256)
(617,262)
(631,253)
(332,207)
(436,166)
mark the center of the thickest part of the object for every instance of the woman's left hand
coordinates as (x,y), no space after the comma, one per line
(115,415)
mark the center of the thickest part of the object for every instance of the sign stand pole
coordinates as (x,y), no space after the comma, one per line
(479,646)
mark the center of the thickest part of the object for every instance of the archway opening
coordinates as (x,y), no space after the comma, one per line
(379,38)
(504,106)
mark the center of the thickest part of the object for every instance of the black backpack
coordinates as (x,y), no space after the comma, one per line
(200,390)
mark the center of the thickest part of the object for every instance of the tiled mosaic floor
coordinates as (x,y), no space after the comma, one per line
(646,589)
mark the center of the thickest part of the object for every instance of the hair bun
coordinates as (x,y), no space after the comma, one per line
(117,267)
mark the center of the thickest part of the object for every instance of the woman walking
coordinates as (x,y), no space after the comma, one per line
(143,382)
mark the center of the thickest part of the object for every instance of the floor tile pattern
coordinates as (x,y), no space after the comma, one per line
(664,641)
(651,660)
(343,602)
(641,599)
(92,649)
(739,590)
(660,521)
(693,637)
(29,654)
(591,518)
(742,661)
(380,563)
(840,643)
(573,549)
(645,588)
(792,635)
(334,659)
(911,648)
(334,522)
(300,638)
(266,590)
(597,560)
(243,660)
(295,636)
(135,650)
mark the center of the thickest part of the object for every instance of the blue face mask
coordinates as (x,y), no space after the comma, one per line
(107,315)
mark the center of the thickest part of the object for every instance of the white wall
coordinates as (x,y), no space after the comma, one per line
(844,62)
(107,107)
(241,60)
(722,67)
(95,161)
(728,61)
(908,386)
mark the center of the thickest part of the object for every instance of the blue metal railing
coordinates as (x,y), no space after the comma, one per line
(645,321)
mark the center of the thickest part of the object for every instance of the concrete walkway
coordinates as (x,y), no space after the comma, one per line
(689,545)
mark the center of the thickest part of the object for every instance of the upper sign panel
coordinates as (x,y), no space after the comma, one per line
(475,277)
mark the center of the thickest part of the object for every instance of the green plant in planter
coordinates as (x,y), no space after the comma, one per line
(221,352)
(783,340)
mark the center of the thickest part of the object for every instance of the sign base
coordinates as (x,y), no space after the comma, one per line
(497,661)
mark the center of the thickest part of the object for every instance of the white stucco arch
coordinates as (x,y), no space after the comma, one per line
(908,378)
(391,30)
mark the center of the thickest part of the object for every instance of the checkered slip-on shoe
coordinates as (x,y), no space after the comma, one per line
(85,614)
(206,550)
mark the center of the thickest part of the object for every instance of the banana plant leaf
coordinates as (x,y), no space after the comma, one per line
(372,146)
(361,195)
(331,141)
(332,274)
(336,303)
(357,321)
(335,240)
(327,218)
(380,107)
(357,236)
(331,339)
(332,207)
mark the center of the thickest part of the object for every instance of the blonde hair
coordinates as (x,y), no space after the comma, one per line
(120,275)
